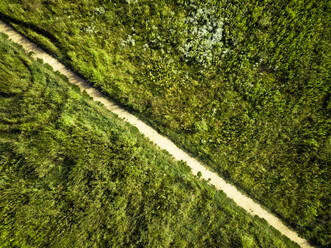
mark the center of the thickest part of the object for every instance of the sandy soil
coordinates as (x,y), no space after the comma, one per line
(243,201)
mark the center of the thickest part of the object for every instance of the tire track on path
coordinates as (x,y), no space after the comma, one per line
(164,143)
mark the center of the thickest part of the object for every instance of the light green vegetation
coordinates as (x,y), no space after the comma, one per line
(243,85)
(74,175)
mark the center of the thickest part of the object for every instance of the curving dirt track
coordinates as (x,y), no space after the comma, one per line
(242,200)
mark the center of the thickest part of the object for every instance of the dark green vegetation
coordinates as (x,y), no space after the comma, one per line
(73,175)
(244,85)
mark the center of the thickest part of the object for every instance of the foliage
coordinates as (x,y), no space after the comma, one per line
(74,175)
(252,103)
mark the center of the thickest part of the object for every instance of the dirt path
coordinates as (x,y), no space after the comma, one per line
(243,201)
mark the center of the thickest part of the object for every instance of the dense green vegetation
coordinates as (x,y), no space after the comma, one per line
(244,85)
(74,175)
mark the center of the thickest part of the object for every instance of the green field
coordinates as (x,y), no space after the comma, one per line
(74,175)
(242,85)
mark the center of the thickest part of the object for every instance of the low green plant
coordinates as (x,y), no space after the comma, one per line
(72,174)
(249,97)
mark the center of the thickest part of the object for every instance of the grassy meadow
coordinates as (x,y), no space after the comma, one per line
(72,174)
(242,85)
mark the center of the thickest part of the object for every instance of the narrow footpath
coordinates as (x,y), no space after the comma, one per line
(241,200)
